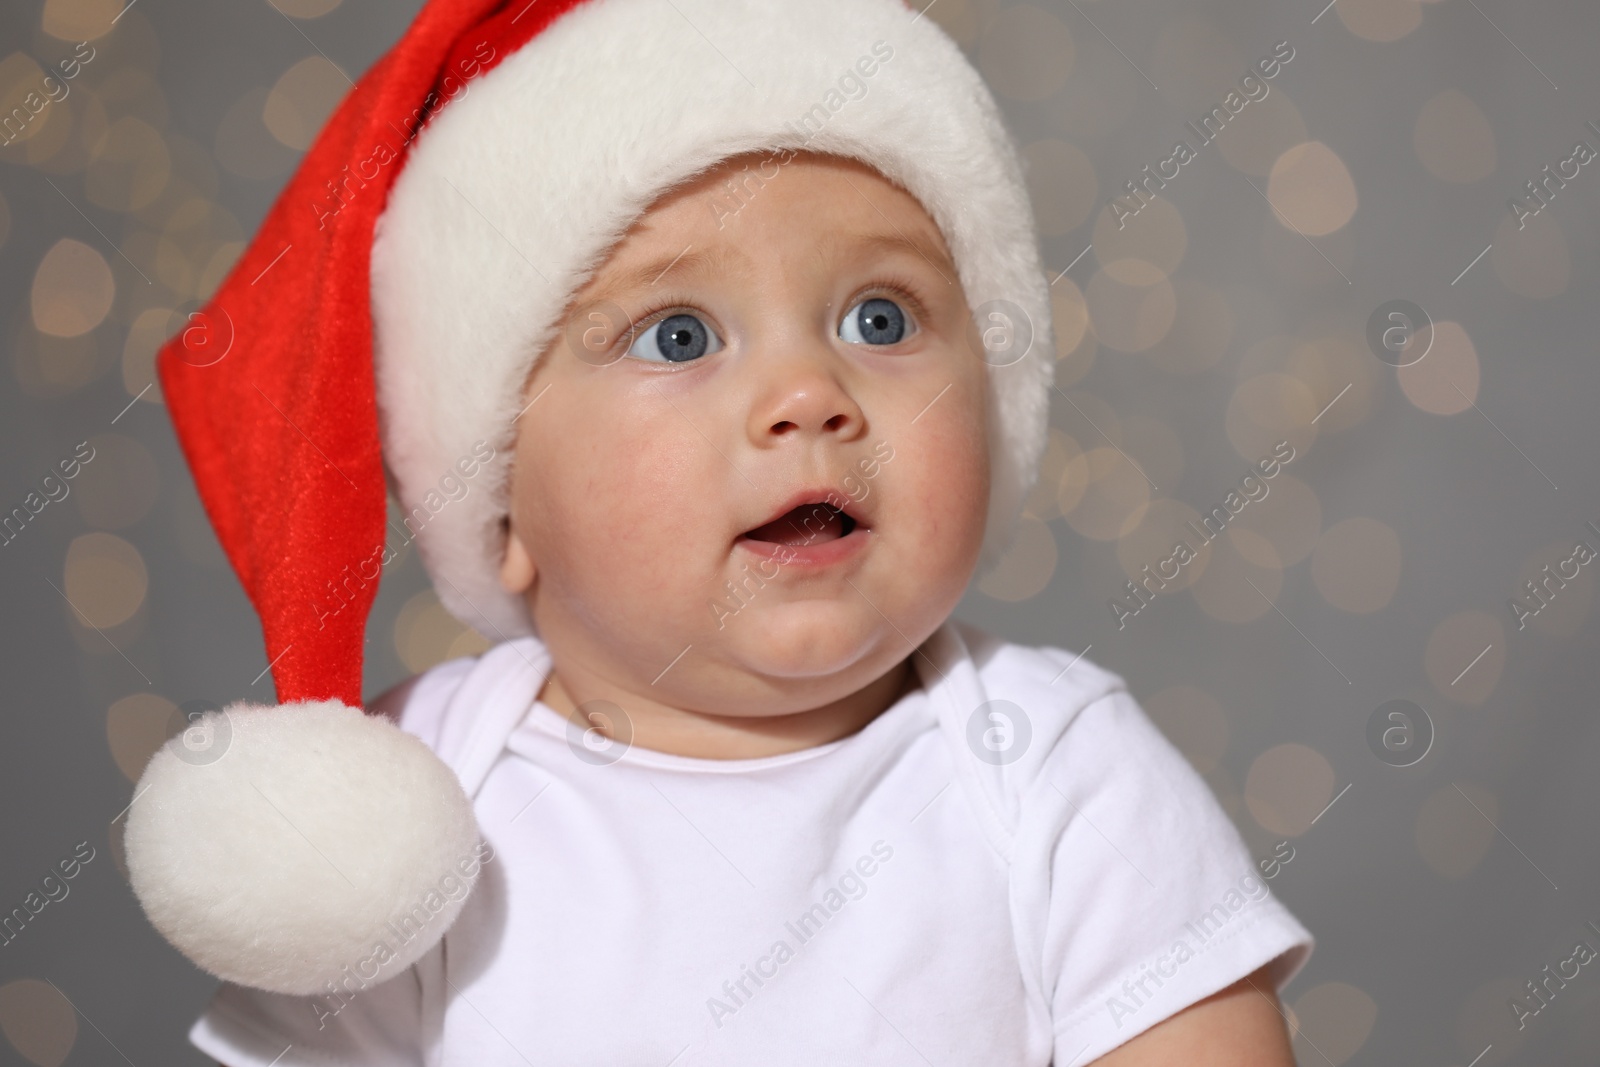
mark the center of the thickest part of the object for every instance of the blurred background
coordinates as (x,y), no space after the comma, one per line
(1358,664)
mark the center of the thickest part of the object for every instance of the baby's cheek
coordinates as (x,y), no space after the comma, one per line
(948,462)
(957,497)
(630,506)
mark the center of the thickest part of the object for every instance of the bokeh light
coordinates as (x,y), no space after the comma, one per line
(1131,304)
(1532,259)
(80,20)
(426,634)
(1311,189)
(961,19)
(1454,139)
(1380,20)
(1337,1018)
(1027,567)
(1113,498)
(301,101)
(244,146)
(72,289)
(1339,371)
(1073,480)
(21,75)
(136,726)
(1455,828)
(1445,381)
(198,244)
(129,166)
(1288,785)
(39,1022)
(1275,126)
(1161,527)
(1267,410)
(1483,1020)
(105,580)
(1289,518)
(1356,565)
(1242,578)
(149,330)
(1043,501)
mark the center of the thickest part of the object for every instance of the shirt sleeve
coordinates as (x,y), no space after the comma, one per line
(244,1027)
(1143,895)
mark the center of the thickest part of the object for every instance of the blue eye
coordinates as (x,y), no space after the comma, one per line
(677,338)
(875,322)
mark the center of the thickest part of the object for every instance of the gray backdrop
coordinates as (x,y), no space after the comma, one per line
(1443,858)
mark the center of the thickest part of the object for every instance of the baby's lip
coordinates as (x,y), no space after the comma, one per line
(818,497)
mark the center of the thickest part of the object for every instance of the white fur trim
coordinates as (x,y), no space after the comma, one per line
(276,846)
(556,151)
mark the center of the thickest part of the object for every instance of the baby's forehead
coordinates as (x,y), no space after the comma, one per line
(727,216)
(649,257)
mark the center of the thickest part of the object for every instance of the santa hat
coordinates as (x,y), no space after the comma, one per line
(388,312)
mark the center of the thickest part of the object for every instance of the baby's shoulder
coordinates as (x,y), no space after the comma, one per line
(1045,689)
(1037,714)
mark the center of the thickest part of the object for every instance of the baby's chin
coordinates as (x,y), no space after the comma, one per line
(810,640)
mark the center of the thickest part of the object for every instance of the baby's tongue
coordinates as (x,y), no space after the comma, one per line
(791,529)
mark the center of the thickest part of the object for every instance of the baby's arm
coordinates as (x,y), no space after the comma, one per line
(1240,1026)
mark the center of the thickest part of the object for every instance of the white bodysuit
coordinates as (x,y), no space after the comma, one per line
(1009,866)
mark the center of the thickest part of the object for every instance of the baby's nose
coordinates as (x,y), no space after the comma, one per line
(803,395)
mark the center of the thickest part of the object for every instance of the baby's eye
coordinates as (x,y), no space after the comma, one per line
(677,338)
(877,321)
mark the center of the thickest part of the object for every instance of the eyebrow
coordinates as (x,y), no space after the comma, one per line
(688,263)
(919,243)
(692,262)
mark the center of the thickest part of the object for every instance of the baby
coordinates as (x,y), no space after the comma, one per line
(746,791)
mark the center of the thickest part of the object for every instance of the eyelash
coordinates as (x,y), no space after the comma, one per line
(898,286)
(890,284)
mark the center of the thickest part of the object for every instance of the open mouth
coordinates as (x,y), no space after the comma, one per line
(805,524)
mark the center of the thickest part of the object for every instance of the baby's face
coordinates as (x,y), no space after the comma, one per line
(725,363)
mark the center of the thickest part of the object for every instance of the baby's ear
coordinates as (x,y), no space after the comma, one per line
(516,566)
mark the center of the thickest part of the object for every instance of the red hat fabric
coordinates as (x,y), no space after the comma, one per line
(271,388)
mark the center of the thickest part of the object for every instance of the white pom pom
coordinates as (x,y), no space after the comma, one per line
(291,847)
